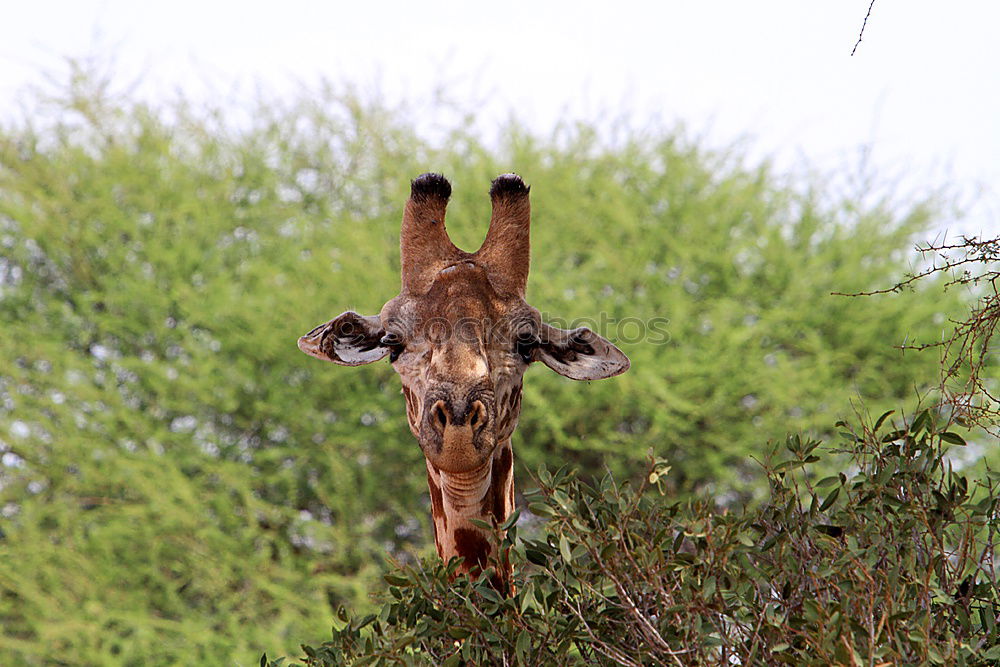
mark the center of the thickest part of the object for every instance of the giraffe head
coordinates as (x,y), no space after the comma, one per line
(460,335)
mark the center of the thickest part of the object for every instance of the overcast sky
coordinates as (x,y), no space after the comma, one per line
(923,90)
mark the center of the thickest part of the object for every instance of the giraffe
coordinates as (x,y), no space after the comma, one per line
(461,335)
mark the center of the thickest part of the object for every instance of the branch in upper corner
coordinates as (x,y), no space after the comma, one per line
(861,34)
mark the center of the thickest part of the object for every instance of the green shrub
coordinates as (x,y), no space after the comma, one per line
(889,562)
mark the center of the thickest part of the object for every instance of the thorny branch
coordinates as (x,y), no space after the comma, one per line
(967,387)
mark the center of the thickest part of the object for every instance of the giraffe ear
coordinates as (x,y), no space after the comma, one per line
(348,339)
(580,354)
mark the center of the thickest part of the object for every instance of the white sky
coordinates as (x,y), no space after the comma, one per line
(923,89)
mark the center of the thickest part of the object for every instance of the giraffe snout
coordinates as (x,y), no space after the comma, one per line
(443,415)
(456,434)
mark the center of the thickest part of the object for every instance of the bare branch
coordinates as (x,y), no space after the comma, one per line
(861,34)
(966,353)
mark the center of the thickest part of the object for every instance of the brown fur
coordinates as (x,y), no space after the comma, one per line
(472,546)
(437,504)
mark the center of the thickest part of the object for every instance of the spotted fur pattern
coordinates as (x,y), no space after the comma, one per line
(460,335)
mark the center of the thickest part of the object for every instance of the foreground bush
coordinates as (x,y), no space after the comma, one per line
(888,562)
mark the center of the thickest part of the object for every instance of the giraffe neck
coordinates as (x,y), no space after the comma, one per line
(486,494)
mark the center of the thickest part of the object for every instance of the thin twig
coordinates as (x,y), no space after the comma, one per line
(860,34)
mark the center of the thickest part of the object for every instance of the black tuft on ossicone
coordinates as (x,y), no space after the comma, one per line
(427,186)
(507,185)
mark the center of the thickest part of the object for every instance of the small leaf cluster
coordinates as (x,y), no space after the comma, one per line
(888,562)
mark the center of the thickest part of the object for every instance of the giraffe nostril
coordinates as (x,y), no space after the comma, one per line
(477,418)
(439,414)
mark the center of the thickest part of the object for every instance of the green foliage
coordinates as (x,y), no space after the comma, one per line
(179,480)
(890,563)
(179,484)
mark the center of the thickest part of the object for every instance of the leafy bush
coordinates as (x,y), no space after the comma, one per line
(889,562)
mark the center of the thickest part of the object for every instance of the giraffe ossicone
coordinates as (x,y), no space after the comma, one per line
(460,335)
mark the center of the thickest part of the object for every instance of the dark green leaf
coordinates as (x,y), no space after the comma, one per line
(952,438)
(880,420)
(830,499)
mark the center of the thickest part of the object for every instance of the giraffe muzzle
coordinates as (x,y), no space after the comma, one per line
(457,436)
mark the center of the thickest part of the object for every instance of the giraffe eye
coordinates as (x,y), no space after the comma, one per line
(394,342)
(524,346)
